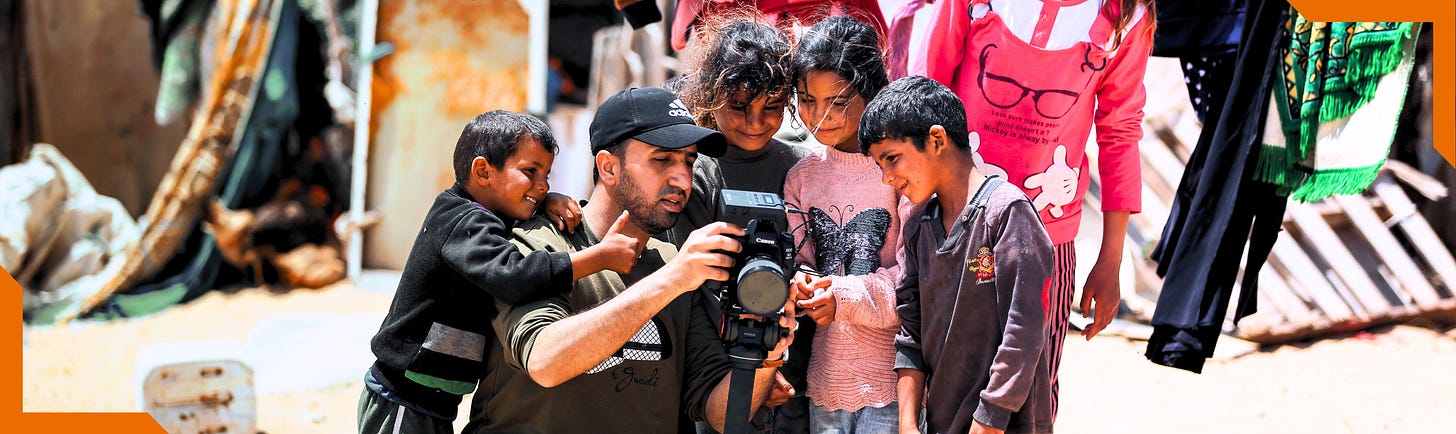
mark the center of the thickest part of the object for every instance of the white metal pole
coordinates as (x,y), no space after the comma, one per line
(359,176)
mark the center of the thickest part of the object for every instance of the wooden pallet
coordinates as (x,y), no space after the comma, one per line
(1343,264)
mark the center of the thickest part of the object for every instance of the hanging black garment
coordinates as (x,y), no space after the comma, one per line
(1207,78)
(1219,207)
(1203,35)
(1197,28)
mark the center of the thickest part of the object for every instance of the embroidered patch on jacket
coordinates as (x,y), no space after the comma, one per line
(984,265)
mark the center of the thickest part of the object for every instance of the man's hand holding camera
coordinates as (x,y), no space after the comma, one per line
(782,390)
(787,322)
(704,256)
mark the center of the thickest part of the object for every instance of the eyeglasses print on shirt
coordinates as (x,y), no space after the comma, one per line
(1005,92)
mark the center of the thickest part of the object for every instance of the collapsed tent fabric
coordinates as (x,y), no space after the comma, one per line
(56,232)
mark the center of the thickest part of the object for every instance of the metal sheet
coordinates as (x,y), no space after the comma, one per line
(452,60)
(94,90)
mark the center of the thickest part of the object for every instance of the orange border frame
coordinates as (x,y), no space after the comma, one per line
(11,374)
(1442,13)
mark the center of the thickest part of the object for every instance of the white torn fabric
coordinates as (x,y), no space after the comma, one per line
(55,229)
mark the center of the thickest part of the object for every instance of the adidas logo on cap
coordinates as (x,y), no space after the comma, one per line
(677,108)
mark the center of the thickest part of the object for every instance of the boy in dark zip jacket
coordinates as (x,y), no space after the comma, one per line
(977,257)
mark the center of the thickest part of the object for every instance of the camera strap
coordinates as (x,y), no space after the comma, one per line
(740,394)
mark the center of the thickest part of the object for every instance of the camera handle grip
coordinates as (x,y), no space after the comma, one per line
(745,360)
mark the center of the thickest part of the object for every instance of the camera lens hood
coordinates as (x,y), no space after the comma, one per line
(763,288)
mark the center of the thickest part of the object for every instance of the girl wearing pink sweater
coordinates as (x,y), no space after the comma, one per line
(1036,76)
(851,232)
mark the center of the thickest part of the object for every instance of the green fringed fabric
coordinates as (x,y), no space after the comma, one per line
(1330,71)
(1323,184)
(1274,167)
(1370,55)
(1278,162)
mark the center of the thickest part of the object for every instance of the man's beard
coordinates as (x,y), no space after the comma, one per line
(645,211)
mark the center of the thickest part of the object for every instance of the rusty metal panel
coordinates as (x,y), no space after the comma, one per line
(94,89)
(452,60)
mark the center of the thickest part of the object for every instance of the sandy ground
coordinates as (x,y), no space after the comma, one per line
(1391,379)
(1385,380)
(60,377)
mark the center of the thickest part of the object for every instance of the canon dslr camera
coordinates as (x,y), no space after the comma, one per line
(758,282)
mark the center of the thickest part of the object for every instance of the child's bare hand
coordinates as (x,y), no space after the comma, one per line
(805,285)
(1100,297)
(821,306)
(562,211)
(781,391)
(979,428)
(619,252)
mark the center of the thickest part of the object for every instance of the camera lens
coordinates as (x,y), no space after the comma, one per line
(762,286)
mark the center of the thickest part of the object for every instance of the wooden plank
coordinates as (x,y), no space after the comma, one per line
(1334,214)
(1295,293)
(1273,288)
(1142,300)
(1408,276)
(1179,132)
(1161,189)
(1158,161)
(1342,263)
(1310,278)
(1424,184)
(1418,231)
(1187,129)
(1166,166)
(1266,318)
(1142,227)
(1267,306)
(1403,296)
(1284,333)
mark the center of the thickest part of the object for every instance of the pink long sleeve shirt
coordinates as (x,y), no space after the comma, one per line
(1035,77)
(853,230)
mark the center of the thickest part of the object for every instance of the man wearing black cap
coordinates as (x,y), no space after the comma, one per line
(622,352)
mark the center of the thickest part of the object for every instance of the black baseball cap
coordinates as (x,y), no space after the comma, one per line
(655,116)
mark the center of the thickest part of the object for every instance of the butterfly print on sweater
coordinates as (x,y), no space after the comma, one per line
(853,247)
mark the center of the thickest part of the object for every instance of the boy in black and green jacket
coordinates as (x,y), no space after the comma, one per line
(431,344)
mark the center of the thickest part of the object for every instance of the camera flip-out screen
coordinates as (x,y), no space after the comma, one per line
(740,206)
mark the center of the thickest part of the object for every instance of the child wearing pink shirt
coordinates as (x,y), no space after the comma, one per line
(1035,77)
(851,232)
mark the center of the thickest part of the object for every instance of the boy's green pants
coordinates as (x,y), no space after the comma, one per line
(380,416)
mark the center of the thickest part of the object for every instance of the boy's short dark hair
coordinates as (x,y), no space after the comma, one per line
(494,135)
(907,108)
